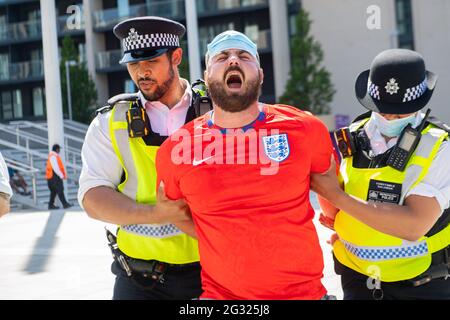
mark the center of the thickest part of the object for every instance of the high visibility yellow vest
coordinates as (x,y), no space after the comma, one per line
(372,252)
(163,242)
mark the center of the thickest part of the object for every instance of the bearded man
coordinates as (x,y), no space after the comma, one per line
(251,214)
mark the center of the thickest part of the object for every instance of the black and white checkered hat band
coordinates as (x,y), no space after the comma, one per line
(415,92)
(146,41)
(411,94)
(372,90)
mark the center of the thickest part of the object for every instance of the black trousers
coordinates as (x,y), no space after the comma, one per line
(355,287)
(181,283)
(56,187)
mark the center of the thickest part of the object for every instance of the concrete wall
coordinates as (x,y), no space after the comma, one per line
(432,39)
(348,45)
(95,42)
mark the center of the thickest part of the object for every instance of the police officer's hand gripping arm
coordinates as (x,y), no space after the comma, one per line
(409,221)
(100,177)
(108,205)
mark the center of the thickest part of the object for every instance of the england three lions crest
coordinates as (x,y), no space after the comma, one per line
(276,147)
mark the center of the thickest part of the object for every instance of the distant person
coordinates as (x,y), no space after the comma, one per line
(55,174)
(5,188)
(17,181)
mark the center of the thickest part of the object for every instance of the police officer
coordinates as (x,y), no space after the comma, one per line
(5,188)
(154,259)
(393,224)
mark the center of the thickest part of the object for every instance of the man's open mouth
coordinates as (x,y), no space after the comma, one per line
(234,80)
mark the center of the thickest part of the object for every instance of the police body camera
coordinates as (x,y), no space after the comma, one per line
(345,142)
(137,122)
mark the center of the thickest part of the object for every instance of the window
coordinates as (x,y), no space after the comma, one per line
(38,102)
(252,31)
(403,14)
(123,7)
(17,104)
(129,86)
(82,52)
(4,66)
(7,105)
(3,27)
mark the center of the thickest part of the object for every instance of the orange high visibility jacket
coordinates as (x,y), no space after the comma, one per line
(49,169)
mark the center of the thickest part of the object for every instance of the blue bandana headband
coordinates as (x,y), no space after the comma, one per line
(231,40)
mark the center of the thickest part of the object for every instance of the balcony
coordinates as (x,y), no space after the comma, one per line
(108,61)
(106,19)
(21,31)
(17,72)
(32,30)
(213,7)
(262,39)
(10,2)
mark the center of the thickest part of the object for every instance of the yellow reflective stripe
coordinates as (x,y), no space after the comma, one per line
(144,159)
(440,240)
(357,125)
(430,159)
(112,135)
(119,125)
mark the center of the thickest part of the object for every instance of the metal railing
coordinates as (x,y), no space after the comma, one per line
(27,170)
(72,155)
(211,6)
(22,70)
(110,17)
(21,30)
(108,59)
(33,29)
(76,125)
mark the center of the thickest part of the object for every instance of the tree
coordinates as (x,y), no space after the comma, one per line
(82,87)
(309,87)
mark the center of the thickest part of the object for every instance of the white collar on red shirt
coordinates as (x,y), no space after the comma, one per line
(184,102)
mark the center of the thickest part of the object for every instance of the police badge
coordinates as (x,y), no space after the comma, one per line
(276,147)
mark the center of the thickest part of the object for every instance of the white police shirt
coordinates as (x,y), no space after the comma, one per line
(101,167)
(437,181)
(4,178)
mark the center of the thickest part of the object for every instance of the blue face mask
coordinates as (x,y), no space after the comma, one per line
(392,128)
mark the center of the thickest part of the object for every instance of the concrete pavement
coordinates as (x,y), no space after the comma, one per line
(63,255)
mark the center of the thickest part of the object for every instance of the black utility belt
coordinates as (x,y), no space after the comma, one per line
(153,269)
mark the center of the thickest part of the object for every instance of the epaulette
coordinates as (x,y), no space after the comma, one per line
(362,116)
(123,97)
(112,101)
(438,123)
(103,110)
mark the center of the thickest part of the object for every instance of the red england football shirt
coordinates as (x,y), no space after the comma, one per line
(248,192)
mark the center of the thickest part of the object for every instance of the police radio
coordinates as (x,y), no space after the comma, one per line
(201,101)
(345,142)
(406,145)
(137,121)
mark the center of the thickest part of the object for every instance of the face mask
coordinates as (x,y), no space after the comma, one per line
(392,128)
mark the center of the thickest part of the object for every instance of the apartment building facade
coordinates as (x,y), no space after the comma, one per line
(22,94)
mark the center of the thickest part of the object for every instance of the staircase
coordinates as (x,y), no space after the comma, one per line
(24,145)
